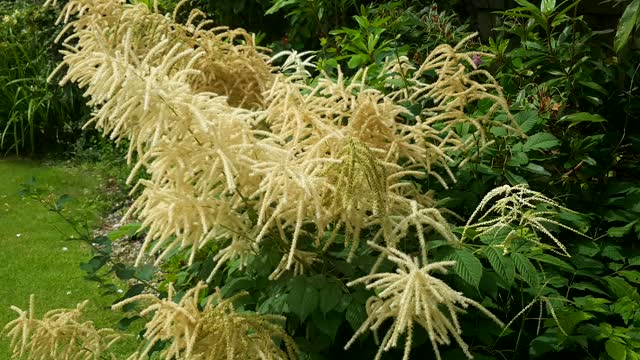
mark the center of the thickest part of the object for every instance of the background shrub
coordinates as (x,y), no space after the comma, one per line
(36,117)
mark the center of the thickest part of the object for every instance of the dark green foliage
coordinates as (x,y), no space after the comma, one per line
(36,117)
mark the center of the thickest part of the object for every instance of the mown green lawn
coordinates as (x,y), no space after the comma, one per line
(35,257)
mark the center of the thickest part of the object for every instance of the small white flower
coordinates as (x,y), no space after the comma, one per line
(18,235)
(64,248)
(120,291)
(68,292)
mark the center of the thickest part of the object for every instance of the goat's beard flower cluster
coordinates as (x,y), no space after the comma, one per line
(305,159)
(216,332)
(237,150)
(413,295)
(515,208)
(59,335)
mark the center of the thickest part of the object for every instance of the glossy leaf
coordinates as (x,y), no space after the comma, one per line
(616,350)
(628,21)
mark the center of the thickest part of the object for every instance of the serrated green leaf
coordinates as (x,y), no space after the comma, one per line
(581,117)
(518,159)
(537,169)
(627,22)
(129,230)
(541,141)
(355,315)
(501,264)
(550,259)
(621,288)
(621,230)
(588,286)
(527,119)
(124,323)
(593,304)
(612,252)
(588,248)
(514,179)
(526,270)
(327,323)
(616,350)
(274,304)
(330,296)
(468,266)
(626,308)
(568,320)
(134,290)
(303,298)
(125,272)
(631,275)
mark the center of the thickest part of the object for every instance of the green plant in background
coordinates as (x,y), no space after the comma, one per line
(35,116)
(310,20)
(629,22)
(390,29)
(363,46)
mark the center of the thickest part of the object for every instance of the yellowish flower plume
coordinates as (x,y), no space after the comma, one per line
(215,332)
(412,296)
(59,335)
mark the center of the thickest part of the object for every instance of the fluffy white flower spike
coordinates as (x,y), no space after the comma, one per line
(412,295)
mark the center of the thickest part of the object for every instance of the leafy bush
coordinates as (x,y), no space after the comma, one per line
(406,198)
(35,116)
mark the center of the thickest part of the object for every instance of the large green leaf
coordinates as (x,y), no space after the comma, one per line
(541,141)
(550,259)
(621,230)
(526,269)
(580,117)
(527,119)
(303,297)
(548,7)
(619,287)
(328,323)
(627,22)
(330,295)
(501,264)
(631,275)
(278,5)
(468,266)
(616,350)
(355,314)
